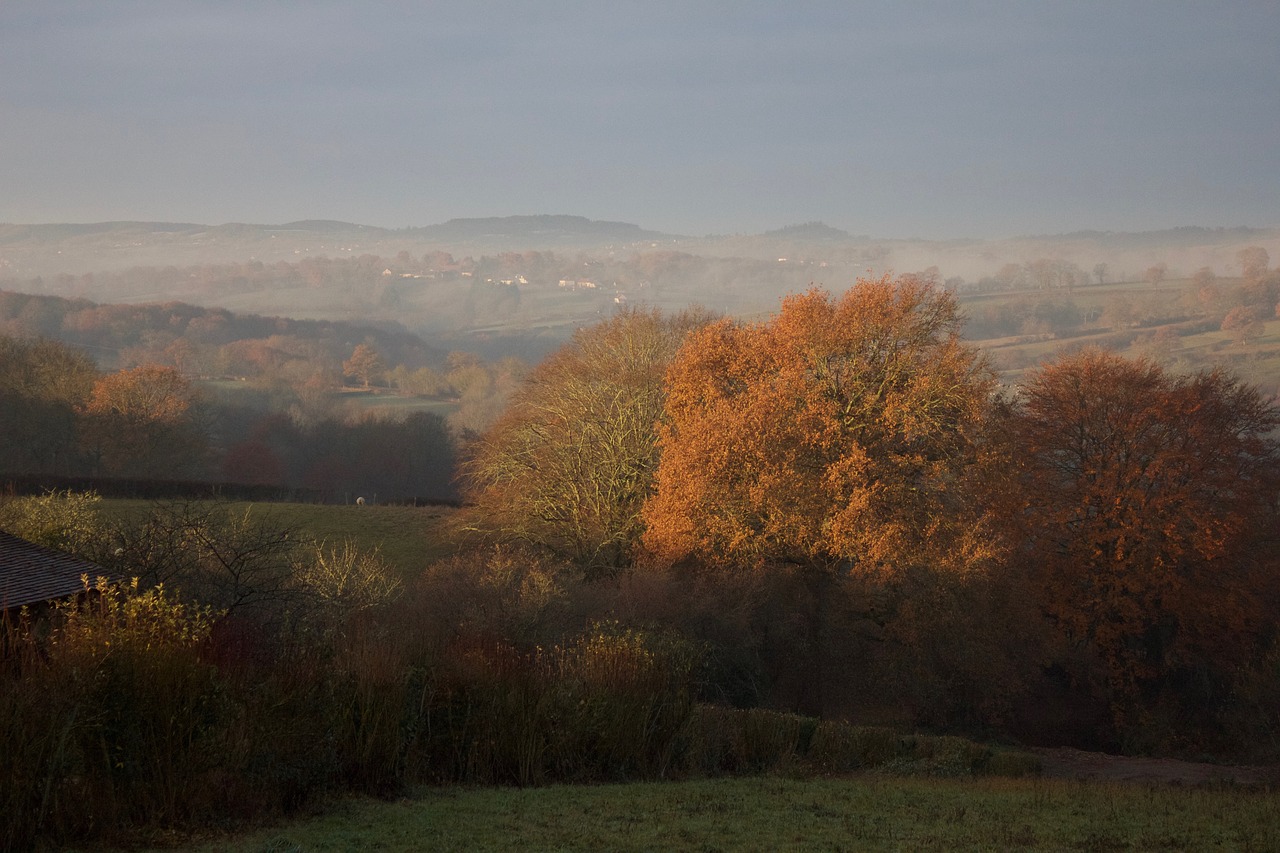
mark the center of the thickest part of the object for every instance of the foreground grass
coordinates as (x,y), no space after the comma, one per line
(861,813)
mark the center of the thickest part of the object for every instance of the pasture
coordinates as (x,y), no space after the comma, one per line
(865,812)
(407,537)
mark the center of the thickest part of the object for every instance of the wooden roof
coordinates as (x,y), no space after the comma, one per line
(30,573)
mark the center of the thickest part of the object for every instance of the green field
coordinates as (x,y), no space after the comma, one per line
(393,403)
(407,537)
(859,813)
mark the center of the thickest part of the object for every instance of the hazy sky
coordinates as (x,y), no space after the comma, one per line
(892,118)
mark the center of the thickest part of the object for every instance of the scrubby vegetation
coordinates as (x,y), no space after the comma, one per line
(137,708)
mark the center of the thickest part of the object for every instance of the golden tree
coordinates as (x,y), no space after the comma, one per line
(827,453)
(365,364)
(570,463)
(838,435)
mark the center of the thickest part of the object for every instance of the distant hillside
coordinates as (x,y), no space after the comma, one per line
(833,256)
(215,341)
(809,231)
(51,249)
(545,229)
(538,229)
(13,235)
(1183,236)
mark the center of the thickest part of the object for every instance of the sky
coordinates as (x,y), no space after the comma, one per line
(891,119)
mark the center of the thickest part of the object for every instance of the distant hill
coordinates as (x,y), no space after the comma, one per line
(1183,236)
(809,231)
(59,250)
(57,232)
(566,229)
(541,229)
(44,249)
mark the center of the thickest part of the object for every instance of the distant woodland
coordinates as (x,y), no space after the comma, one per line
(436,333)
(204,394)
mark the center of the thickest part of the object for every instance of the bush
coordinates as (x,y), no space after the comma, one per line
(65,521)
(1011,764)
(112,721)
(840,747)
(634,695)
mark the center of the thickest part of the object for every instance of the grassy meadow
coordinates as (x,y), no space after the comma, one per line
(866,812)
(407,537)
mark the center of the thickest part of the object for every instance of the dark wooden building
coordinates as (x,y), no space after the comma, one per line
(32,575)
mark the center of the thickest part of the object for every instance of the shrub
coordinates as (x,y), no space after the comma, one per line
(113,720)
(634,695)
(839,747)
(341,579)
(65,521)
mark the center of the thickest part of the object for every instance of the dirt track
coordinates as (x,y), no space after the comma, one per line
(1064,763)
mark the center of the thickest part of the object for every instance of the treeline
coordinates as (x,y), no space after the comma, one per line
(841,502)
(207,341)
(368,275)
(61,416)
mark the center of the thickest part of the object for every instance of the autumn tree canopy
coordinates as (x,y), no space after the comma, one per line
(365,364)
(1146,503)
(138,422)
(570,464)
(837,434)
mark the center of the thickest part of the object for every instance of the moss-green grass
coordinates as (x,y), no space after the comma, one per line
(860,813)
(409,538)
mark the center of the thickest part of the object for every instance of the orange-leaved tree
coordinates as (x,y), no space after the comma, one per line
(139,422)
(837,435)
(1147,513)
(829,452)
(365,365)
(570,463)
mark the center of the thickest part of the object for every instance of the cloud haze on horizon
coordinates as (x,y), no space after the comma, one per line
(893,119)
